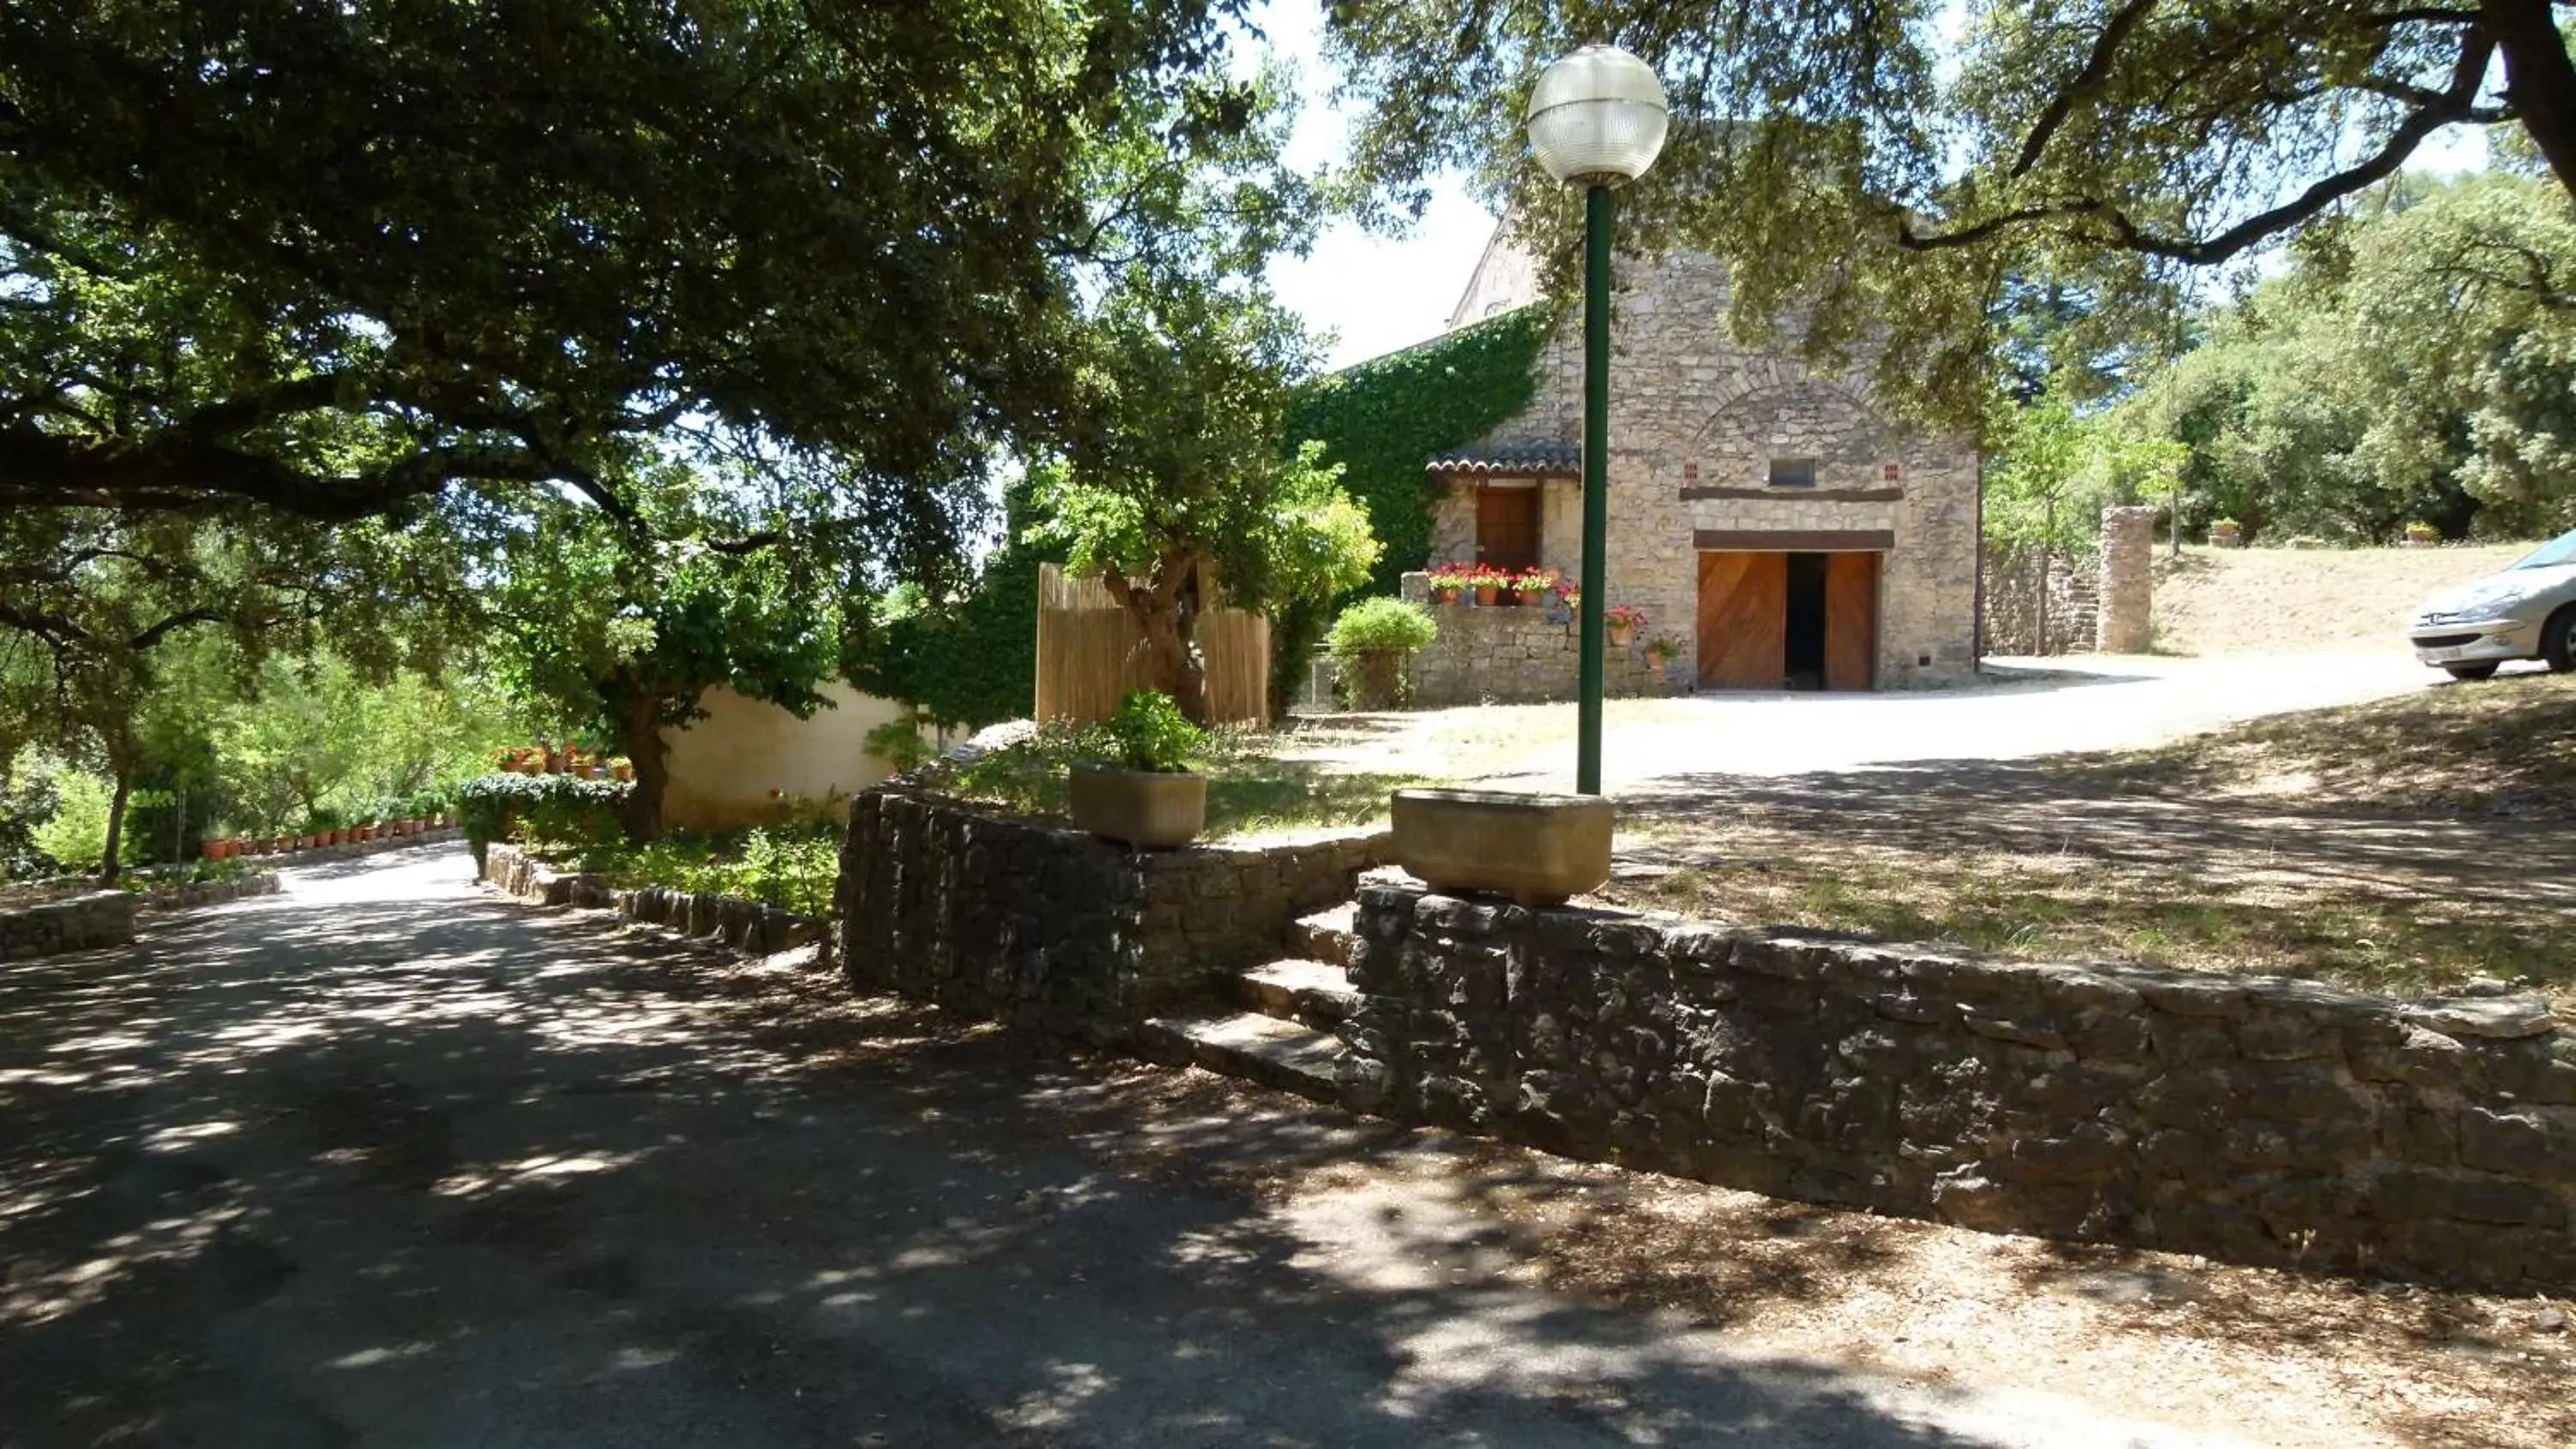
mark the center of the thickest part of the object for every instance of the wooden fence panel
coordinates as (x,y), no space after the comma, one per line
(1091,652)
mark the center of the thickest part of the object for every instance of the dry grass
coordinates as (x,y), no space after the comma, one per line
(2309,601)
(2399,847)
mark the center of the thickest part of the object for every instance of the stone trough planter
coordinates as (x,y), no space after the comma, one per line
(1149,809)
(1536,849)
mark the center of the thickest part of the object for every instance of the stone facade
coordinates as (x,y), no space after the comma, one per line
(1695,421)
(1518,655)
(2263,1120)
(2126,623)
(72,923)
(1045,926)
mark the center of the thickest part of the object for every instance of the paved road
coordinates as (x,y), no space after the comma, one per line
(2034,708)
(381,1161)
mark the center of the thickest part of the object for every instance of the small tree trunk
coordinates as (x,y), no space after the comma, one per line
(109,864)
(1166,610)
(640,731)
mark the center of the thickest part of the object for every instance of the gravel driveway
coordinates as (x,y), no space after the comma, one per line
(384,1161)
(2027,708)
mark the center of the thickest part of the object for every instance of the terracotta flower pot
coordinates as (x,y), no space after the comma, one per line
(1537,849)
(1620,634)
(1444,596)
(1486,595)
(1145,808)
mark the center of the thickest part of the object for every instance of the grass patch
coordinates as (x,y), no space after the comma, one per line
(2504,748)
(2081,907)
(1251,791)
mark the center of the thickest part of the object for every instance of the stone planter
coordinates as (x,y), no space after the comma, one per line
(2225,537)
(1148,809)
(1537,849)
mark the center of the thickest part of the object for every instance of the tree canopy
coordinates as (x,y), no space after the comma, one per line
(336,261)
(1877,175)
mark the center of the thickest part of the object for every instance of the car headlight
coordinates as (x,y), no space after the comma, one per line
(2487,612)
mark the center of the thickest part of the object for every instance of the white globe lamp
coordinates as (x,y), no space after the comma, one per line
(1597,117)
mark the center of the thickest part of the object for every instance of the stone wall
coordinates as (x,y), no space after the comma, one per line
(754,927)
(211,892)
(72,923)
(1695,420)
(1519,654)
(2265,1121)
(1042,925)
(2126,622)
(2012,603)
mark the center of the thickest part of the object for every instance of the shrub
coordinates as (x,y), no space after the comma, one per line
(1149,732)
(1371,640)
(560,808)
(899,743)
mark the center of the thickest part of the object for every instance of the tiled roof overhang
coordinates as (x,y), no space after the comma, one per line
(1513,463)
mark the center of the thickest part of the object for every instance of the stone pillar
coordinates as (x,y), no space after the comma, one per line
(2128,586)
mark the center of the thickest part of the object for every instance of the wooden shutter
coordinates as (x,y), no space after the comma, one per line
(1851,620)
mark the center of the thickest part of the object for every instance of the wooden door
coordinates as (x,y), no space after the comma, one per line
(1851,621)
(1743,619)
(1507,527)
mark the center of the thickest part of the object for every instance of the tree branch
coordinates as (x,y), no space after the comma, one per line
(2097,69)
(181,620)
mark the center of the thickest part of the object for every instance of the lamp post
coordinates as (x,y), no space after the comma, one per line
(1596,120)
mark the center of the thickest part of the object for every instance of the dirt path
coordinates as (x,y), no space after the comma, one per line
(383,1161)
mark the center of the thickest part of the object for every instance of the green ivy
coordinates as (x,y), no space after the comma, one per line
(1383,420)
(973,661)
(555,807)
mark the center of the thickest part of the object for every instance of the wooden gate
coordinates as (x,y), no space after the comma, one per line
(1851,620)
(1091,652)
(1743,620)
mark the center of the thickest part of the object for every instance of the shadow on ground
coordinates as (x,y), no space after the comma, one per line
(344,1165)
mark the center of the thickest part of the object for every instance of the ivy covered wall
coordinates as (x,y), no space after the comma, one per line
(1383,420)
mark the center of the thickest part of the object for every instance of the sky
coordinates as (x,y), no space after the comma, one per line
(1373,294)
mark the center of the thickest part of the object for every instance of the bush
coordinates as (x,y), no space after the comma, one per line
(1371,640)
(564,809)
(793,867)
(1149,732)
(899,743)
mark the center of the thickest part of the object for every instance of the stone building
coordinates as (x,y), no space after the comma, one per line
(1769,518)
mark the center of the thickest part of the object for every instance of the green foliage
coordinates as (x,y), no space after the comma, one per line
(793,867)
(1871,175)
(1381,626)
(1381,421)
(2409,365)
(564,809)
(1249,792)
(1149,732)
(75,834)
(26,807)
(1179,463)
(802,229)
(970,660)
(900,743)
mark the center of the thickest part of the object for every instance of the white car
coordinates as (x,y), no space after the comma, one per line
(2526,612)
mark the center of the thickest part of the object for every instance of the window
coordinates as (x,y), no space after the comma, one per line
(1793,472)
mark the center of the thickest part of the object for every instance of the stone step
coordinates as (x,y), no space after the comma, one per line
(1327,935)
(1316,993)
(1253,1047)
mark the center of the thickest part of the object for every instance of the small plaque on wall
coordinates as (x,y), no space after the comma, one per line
(1690,472)
(1891,472)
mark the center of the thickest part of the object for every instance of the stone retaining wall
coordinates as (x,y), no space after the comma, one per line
(2264,1121)
(749,926)
(2012,603)
(1518,654)
(1042,925)
(212,893)
(73,923)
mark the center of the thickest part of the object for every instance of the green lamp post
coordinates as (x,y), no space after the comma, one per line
(1596,120)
